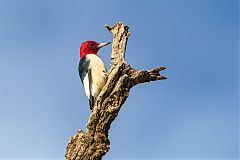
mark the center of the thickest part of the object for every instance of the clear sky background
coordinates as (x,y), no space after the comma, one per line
(192,115)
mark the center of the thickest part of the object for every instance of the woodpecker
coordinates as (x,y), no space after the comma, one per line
(92,70)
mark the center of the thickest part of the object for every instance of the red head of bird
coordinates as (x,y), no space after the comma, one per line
(91,47)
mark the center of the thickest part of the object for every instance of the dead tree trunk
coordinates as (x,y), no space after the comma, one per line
(94,143)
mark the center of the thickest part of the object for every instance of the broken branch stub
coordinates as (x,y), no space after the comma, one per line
(120,38)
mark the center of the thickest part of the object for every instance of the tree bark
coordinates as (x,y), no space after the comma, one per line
(94,143)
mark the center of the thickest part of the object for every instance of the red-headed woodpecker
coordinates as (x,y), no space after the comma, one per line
(92,70)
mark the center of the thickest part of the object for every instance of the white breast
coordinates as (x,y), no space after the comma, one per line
(98,71)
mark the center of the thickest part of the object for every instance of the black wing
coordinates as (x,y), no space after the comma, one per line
(83,70)
(82,67)
(91,97)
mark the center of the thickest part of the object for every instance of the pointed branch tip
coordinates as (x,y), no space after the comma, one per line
(162,68)
(157,69)
(163,77)
(108,27)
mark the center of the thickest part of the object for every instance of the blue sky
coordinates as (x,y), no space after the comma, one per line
(192,115)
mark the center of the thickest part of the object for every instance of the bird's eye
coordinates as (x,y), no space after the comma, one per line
(91,45)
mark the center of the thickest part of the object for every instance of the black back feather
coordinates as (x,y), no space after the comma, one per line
(83,70)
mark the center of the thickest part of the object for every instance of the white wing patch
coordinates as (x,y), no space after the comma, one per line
(86,85)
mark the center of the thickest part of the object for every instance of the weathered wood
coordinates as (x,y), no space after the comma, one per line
(120,37)
(94,143)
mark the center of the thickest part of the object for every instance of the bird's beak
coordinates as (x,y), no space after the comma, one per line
(103,44)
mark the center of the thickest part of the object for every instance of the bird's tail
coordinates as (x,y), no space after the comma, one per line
(91,102)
